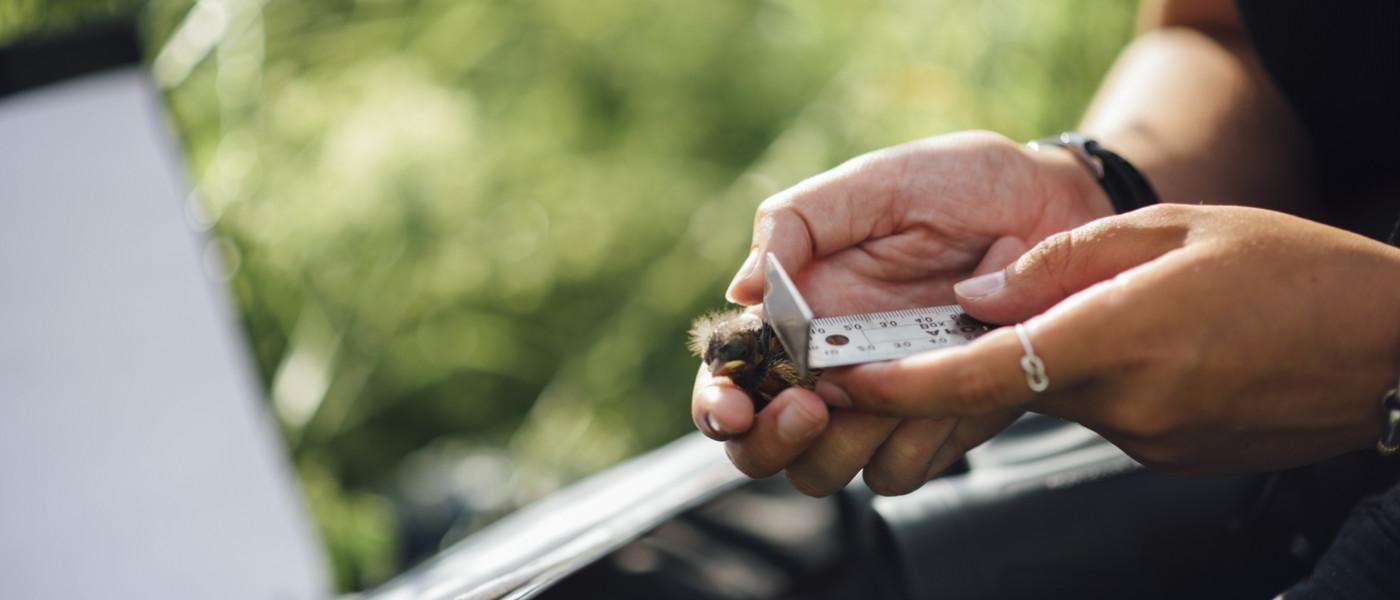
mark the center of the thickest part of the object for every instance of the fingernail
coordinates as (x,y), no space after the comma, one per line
(713,425)
(744,272)
(707,423)
(981,285)
(833,394)
(794,427)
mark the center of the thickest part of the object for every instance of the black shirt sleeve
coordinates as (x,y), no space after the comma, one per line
(1364,559)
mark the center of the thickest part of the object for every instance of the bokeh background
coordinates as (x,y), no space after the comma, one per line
(467,236)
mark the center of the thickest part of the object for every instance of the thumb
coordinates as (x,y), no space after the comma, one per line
(1063,264)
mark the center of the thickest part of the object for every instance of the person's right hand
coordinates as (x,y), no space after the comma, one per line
(891,229)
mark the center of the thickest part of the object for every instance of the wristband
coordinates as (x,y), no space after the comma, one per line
(1127,189)
(1389,444)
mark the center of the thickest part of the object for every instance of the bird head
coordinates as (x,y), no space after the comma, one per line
(730,344)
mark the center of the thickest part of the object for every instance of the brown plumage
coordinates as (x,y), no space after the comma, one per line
(741,346)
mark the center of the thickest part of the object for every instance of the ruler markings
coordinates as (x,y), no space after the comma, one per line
(888,335)
(858,338)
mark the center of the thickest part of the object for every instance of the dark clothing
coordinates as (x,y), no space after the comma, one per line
(1362,562)
(1338,65)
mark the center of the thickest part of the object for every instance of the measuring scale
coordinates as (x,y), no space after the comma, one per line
(814,343)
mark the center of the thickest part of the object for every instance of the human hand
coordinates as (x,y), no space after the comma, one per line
(1199,339)
(892,229)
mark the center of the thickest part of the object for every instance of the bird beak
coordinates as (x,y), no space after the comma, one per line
(727,368)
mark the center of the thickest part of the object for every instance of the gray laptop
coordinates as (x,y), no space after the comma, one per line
(136,459)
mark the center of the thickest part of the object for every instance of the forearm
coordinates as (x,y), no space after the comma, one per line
(1193,110)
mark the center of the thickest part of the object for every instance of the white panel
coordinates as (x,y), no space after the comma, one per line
(136,459)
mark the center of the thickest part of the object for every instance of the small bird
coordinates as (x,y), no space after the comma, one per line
(739,345)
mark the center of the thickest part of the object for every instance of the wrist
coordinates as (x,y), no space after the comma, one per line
(1391,277)
(1065,182)
(1388,369)
(1126,187)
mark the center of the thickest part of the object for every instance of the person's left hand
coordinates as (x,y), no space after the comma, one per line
(892,229)
(1201,339)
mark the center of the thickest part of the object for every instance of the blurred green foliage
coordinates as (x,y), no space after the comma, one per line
(481,225)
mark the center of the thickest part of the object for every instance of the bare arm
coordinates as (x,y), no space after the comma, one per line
(1189,104)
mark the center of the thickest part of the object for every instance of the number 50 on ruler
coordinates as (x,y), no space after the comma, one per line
(815,343)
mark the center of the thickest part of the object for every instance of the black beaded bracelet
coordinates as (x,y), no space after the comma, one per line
(1389,444)
(1127,189)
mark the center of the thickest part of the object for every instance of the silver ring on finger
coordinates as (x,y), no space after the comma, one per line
(1036,379)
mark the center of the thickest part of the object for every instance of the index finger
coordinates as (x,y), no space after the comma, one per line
(1074,341)
(817,217)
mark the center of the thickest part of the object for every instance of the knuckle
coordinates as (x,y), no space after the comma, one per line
(1159,457)
(846,451)
(1168,213)
(999,153)
(1153,436)
(866,161)
(902,452)
(987,140)
(768,209)
(1169,209)
(1147,424)
(874,393)
(774,203)
(899,467)
(975,390)
(1052,256)
(749,463)
(814,484)
(889,483)
(982,150)
(881,393)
